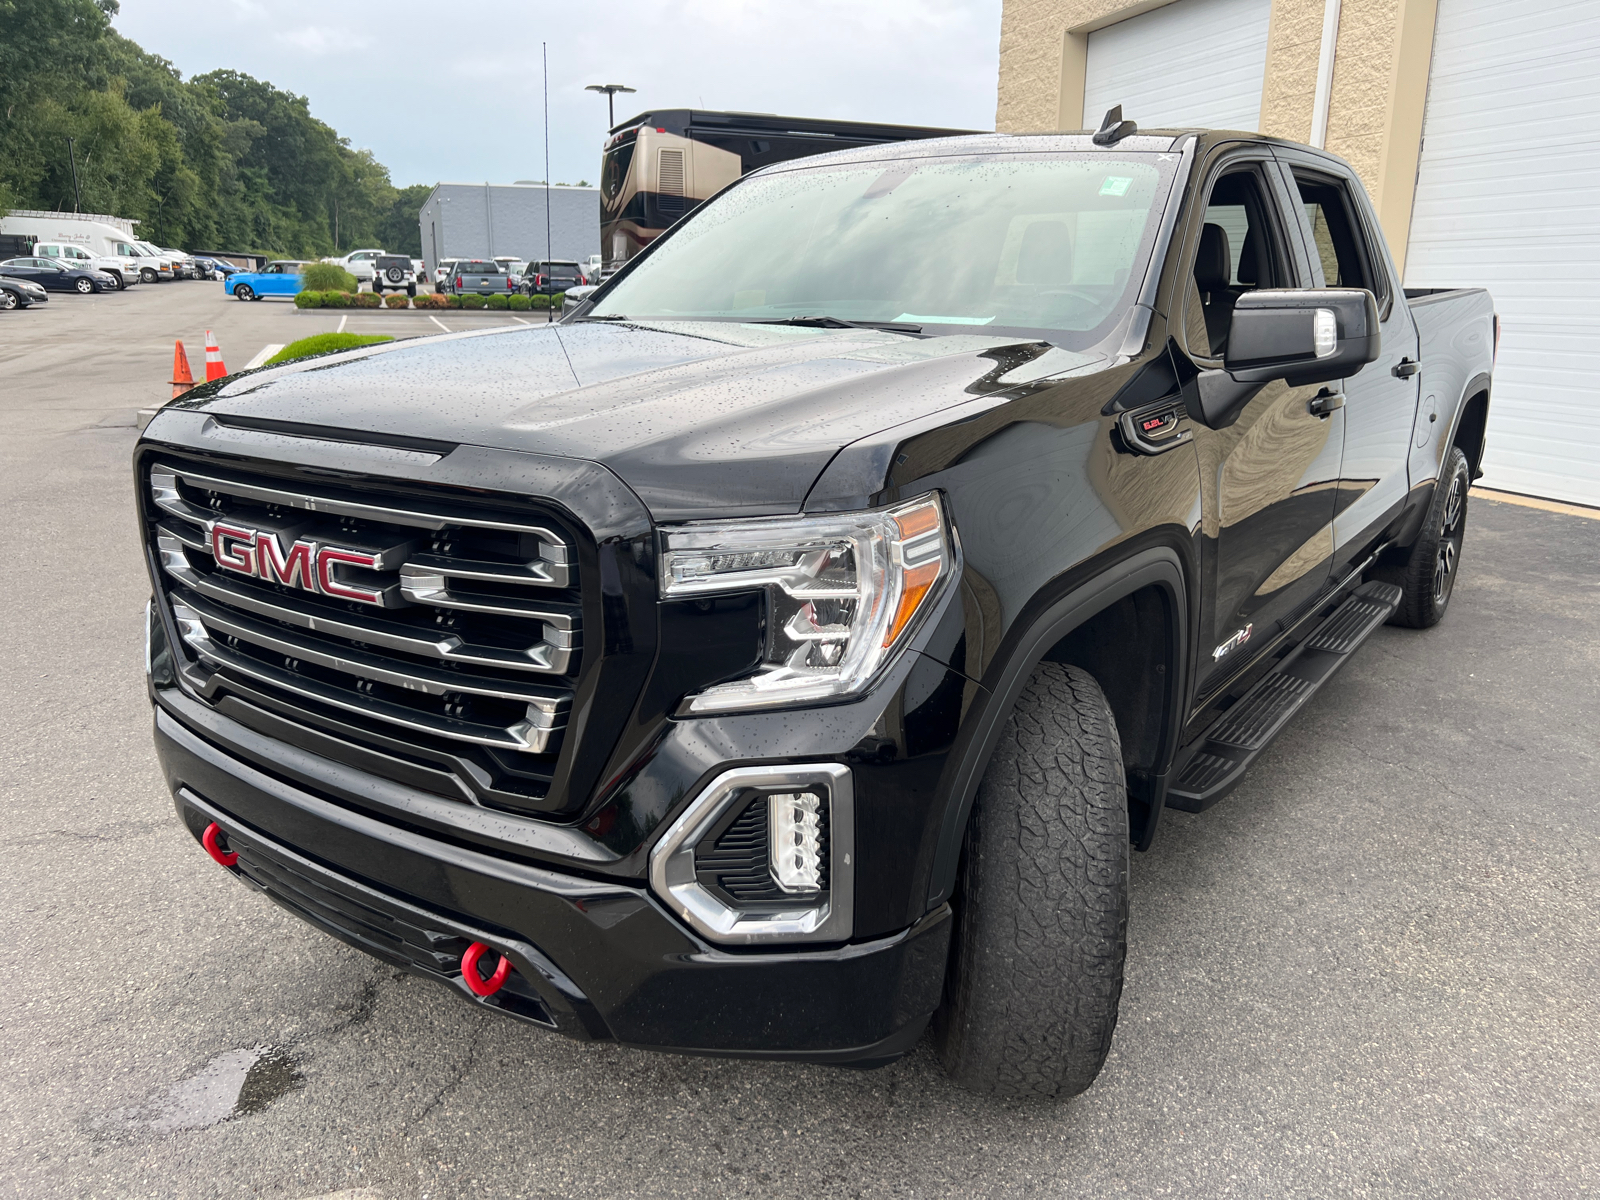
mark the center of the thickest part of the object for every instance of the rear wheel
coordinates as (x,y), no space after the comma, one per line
(1035,973)
(1428,578)
(244,292)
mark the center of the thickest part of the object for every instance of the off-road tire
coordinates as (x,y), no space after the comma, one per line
(1428,578)
(1035,973)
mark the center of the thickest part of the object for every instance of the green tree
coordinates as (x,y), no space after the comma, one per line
(221,160)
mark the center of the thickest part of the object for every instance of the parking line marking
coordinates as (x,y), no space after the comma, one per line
(342,320)
(1556,506)
(439,323)
(520,321)
(263,354)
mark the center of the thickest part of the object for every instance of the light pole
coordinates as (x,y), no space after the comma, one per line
(611,90)
(77,196)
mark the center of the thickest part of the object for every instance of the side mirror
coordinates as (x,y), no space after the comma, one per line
(1302,336)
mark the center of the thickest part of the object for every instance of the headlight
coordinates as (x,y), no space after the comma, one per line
(844,591)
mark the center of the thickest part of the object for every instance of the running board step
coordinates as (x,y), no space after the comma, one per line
(1246,729)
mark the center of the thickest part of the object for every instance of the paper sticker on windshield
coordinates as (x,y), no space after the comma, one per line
(1116,185)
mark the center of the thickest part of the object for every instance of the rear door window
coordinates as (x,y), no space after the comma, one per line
(1339,245)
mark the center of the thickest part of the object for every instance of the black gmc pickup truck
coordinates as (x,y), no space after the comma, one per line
(782,653)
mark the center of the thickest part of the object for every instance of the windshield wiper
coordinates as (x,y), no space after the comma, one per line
(823,321)
(603,317)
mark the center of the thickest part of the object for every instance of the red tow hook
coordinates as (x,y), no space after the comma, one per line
(208,839)
(469,971)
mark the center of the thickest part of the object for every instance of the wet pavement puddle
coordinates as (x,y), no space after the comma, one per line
(231,1084)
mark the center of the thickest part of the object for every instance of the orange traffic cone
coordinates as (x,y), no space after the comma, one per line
(182,380)
(214,367)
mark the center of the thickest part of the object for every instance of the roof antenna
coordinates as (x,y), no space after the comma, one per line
(1113,129)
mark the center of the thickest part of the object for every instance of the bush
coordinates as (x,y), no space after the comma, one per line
(335,299)
(366,300)
(518,303)
(308,300)
(428,300)
(471,301)
(398,300)
(538,300)
(327,277)
(498,301)
(452,301)
(559,300)
(324,343)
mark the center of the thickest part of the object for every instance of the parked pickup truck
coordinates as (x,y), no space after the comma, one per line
(780,655)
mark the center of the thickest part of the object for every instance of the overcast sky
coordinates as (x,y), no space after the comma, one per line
(450,89)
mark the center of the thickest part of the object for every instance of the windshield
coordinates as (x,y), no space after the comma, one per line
(1053,244)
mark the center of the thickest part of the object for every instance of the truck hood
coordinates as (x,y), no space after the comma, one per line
(696,417)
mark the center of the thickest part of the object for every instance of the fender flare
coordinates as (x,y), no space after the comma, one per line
(1481,382)
(1158,565)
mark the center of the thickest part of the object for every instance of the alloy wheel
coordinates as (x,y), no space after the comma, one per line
(1444,566)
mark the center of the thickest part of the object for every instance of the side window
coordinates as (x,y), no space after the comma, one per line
(1239,250)
(50,251)
(1336,234)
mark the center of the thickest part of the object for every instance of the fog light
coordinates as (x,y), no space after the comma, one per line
(793,819)
(763,855)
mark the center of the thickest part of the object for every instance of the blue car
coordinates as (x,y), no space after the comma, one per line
(280,278)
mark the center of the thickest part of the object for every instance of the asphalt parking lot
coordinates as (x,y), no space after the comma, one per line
(1372,971)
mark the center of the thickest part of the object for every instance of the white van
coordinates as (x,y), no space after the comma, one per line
(98,234)
(166,266)
(123,268)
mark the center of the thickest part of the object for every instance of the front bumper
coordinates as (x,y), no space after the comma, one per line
(594,959)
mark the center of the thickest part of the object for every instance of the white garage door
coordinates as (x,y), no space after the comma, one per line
(1508,197)
(1195,62)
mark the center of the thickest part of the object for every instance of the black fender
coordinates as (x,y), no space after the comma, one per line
(1482,382)
(1421,496)
(1026,644)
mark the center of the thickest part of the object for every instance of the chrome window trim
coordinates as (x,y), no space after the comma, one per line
(672,869)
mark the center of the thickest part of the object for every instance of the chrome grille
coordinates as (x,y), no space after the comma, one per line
(462,639)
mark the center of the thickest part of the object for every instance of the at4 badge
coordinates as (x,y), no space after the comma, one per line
(1232,644)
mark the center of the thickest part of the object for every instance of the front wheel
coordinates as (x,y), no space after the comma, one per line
(122,284)
(8,300)
(85,286)
(1035,972)
(146,274)
(244,292)
(1428,578)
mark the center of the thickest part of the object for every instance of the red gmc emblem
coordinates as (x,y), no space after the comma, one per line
(305,565)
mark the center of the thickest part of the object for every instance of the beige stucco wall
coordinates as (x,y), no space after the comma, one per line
(1380,81)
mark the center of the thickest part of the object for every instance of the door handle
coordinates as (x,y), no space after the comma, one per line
(1405,368)
(1324,402)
